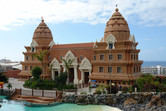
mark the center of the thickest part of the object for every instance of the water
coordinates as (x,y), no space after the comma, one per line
(154,63)
(8,105)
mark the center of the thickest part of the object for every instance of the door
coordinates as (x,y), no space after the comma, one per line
(71,75)
(86,77)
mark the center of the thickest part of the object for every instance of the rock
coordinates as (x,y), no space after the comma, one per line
(81,99)
(155,100)
(163,98)
(72,99)
(129,101)
(109,99)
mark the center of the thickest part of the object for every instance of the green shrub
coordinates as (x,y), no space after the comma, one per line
(36,72)
(98,91)
(84,92)
(70,86)
(125,89)
(114,89)
(3,78)
(40,84)
(34,85)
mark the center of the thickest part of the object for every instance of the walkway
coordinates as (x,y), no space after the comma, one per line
(19,84)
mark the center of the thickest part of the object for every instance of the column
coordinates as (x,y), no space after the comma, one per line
(53,76)
(58,72)
(90,75)
(75,75)
(82,77)
(64,69)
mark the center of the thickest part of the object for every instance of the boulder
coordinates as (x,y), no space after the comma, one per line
(81,99)
(155,100)
(129,101)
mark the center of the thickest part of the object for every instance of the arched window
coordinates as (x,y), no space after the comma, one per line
(32,49)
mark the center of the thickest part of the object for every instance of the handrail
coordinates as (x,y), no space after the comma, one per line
(58,96)
(13,91)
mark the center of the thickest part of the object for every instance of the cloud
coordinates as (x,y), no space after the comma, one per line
(20,12)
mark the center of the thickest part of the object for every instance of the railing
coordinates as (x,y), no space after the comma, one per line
(42,93)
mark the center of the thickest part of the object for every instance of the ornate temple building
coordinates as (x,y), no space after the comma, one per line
(114,58)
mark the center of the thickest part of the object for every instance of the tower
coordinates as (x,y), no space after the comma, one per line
(42,40)
(115,56)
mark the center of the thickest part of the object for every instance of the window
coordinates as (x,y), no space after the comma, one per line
(119,70)
(26,68)
(80,58)
(60,57)
(31,67)
(32,58)
(131,56)
(134,69)
(101,57)
(109,69)
(134,56)
(49,58)
(110,45)
(101,69)
(110,57)
(137,68)
(27,58)
(94,57)
(33,49)
(103,81)
(119,56)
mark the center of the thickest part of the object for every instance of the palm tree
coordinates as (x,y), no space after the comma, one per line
(67,66)
(40,57)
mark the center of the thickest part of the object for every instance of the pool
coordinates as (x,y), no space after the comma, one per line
(8,105)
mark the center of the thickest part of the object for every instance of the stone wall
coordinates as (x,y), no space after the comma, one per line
(126,102)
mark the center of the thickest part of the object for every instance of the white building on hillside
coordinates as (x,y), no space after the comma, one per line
(158,70)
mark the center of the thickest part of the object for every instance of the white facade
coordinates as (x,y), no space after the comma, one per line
(158,70)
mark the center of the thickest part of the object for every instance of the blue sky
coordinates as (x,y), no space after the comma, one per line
(78,21)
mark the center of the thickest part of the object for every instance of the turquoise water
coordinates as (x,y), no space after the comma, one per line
(8,105)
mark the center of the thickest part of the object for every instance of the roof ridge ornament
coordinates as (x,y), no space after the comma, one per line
(42,19)
(116,8)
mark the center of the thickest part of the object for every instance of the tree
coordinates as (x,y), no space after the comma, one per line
(147,82)
(36,72)
(67,66)
(40,57)
(3,78)
(9,86)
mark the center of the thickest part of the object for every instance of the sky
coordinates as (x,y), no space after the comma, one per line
(79,21)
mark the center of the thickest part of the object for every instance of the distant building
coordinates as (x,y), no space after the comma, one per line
(11,69)
(114,57)
(158,70)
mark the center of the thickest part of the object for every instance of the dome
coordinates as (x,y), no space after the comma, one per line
(117,26)
(42,34)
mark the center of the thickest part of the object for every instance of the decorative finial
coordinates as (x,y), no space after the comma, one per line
(116,8)
(42,19)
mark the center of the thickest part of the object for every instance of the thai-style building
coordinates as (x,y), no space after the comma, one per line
(115,57)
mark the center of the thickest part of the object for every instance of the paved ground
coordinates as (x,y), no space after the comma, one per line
(15,84)
(19,84)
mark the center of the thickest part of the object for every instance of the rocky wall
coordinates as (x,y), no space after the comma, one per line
(124,101)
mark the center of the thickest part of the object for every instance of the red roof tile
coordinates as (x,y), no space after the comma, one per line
(75,45)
